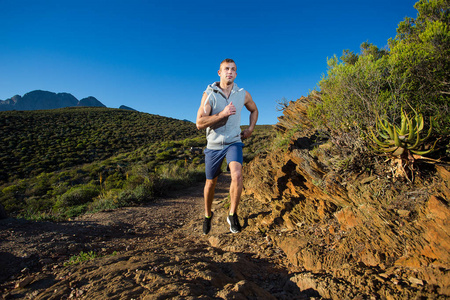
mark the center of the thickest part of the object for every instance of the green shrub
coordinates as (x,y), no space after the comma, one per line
(140,194)
(81,257)
(41,187)
(109,200)
(420,61)
(165,155)
(114,181)
(72,212)
(78,196)
(144,192)
(414,72)
(37,204)
(12,197)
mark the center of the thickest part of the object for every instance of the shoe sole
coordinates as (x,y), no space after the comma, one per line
(233,231)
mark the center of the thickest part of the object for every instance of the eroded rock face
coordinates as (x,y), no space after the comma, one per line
(361,233)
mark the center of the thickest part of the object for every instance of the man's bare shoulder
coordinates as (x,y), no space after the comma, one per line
(248,97)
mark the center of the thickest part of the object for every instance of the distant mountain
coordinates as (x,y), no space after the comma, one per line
(46,100)
(90,101)
(126,107)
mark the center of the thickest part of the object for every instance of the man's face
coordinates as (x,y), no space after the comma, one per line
(227,72)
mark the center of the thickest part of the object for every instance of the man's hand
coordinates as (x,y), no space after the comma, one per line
(205,119)
(229,110)
(246,133)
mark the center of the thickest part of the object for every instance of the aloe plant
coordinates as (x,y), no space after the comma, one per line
(402,143)
(398,140)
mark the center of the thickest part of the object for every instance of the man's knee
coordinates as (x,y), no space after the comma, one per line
(210,183)
(237,176)
(236,171)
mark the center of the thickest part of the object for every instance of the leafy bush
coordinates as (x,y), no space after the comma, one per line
(353,94)
(414,71)
(140,194)
(165,155)
(144,192)
(107,201)
(71,212)
(420,61)
(77,196)
(12,197)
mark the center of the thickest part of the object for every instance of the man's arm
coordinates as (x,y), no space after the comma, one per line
(251,107)
(204,119)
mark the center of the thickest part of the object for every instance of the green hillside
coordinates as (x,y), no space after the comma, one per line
(49,140)
(57,164)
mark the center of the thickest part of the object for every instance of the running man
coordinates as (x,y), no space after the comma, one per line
(220,114)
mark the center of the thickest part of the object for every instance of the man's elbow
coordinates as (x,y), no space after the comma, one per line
(199,126)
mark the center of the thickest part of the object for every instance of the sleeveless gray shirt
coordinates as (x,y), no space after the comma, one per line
(229,131)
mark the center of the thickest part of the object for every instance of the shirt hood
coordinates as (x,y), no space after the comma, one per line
(215,87)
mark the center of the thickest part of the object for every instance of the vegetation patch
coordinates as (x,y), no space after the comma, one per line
(364,96)
(34,142)
(81,257)
(127,174)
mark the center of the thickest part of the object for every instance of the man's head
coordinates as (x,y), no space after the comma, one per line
(227,60)
(227,71)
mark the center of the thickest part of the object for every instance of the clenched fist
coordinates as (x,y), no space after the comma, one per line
(229,110)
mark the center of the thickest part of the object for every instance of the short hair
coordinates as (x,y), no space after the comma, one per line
(226,60)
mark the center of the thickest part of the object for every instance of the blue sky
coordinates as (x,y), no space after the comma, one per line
(159,56)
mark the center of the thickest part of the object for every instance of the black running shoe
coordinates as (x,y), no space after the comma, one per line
(233,220)
(207,224)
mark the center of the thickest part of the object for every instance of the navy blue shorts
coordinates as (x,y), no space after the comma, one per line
(214,159)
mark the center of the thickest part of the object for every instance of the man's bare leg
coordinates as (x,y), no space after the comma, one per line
(236,185)
(208,193)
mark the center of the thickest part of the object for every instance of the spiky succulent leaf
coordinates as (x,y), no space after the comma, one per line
(387,128)
(424,152)
(416,143)
(428,133)
(397,140)
(411,132)
(419,121)
(378,142)
(404,122)
(383,135)
(381,132)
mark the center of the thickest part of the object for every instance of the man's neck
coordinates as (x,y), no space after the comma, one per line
(226,88)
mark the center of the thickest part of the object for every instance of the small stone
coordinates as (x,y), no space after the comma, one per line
(416,281)
(24,282)
(403,213)
(368,179)
(214,241)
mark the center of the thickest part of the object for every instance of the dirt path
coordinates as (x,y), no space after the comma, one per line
(152,252)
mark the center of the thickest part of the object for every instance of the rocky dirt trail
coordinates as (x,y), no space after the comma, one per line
(153,252)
